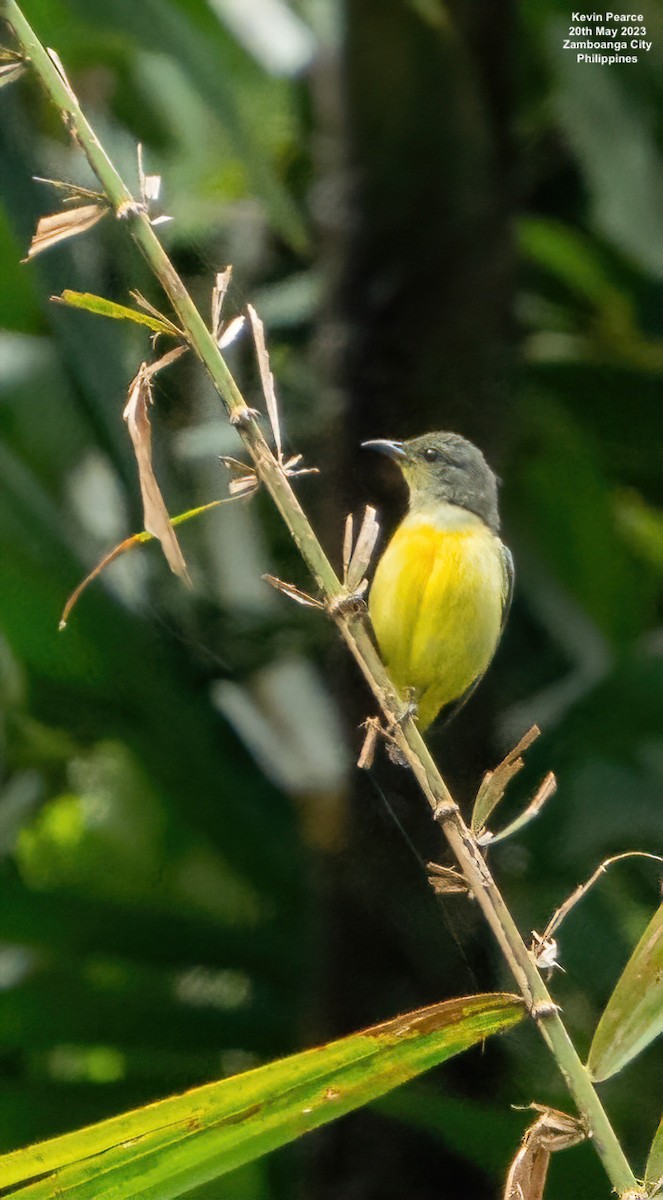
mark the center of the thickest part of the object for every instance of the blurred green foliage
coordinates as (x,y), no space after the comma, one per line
(445,222)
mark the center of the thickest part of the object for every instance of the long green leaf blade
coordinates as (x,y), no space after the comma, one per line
(654,1168)
(633,1016)
(118,312)
(165,1149)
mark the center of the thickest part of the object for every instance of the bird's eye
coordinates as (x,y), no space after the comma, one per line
(431,455)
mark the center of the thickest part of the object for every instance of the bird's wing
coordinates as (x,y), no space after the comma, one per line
(509,580)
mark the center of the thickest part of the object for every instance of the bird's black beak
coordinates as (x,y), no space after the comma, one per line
(395,450)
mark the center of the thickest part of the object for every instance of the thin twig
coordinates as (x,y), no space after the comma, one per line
(542,795)
(564,909)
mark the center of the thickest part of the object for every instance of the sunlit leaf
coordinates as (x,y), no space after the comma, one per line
(58,226)
(165,1149)
(119,312)
(642,527)
(633,1016)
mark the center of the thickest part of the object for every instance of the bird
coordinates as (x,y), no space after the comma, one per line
(442,588)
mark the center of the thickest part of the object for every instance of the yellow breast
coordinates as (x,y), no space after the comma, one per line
(436,605)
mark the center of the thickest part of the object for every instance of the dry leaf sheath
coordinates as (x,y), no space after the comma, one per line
(137,418)
(59,226)
(552,1131)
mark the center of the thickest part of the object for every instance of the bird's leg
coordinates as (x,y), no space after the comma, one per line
(410,709)
(375,729)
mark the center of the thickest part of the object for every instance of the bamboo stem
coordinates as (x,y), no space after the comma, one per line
(353,628)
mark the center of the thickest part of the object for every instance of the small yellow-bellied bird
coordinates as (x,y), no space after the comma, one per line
(443,586)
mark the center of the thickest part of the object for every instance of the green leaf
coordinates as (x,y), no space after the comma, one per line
(234,89)
(573,260)
(164,1150)
(654,1168)
(119,312)
(612,132)
(633,1016)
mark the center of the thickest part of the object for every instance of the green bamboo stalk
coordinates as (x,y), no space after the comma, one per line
(353,626)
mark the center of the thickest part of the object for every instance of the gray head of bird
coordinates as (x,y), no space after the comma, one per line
(445,468)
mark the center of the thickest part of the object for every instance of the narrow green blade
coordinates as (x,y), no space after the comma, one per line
(633,1016)
(654,1168)
(118,312)
(166,1149)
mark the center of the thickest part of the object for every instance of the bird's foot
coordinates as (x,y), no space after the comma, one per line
(347,604)
(375,729)
(395,754)
(410,709)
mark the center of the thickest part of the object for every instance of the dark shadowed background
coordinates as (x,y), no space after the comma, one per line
(445,222)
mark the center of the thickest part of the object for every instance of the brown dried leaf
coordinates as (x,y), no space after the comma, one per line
(348,538)
(221,285)
(150,186)
(552,1131)
(363,551)
(495,783)
(244,486)
(245,481)
(367,752)
(9,71)
(56,227)
(446,881)
(292,592)
(157,521)
(266,378)
(57,62)
(291,469)
(141,173)
(154,312)
(73,191)
(234,464)
(230,332)
(166,360)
